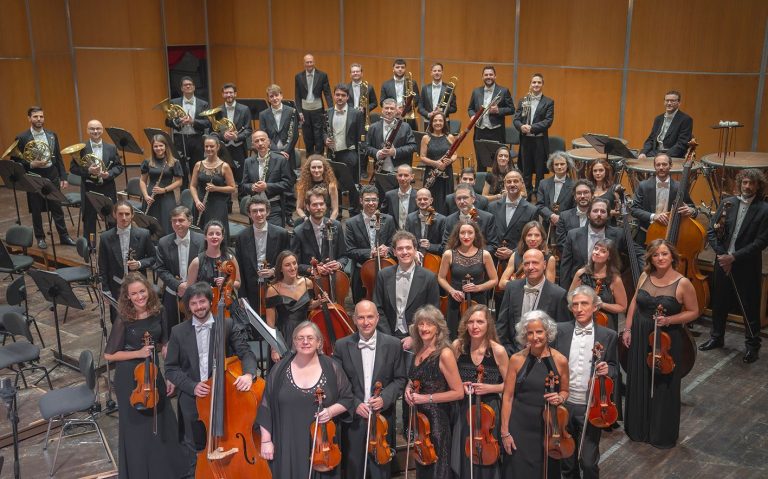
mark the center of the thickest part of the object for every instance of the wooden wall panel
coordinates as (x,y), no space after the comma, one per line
(390,29)
(117,24)
(705,35)
(57,95)
(185,21)
(247,67)
(247,26)
(17,93)
(14,36)
(762,139)
(49,26)
(306,27)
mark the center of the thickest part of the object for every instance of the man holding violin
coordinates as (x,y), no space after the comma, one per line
(370,356)
(577,341)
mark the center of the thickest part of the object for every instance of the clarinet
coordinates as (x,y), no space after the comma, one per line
(159,180)
(328,134)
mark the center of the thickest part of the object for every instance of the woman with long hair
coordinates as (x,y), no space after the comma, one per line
(161,198)
(600,173)
(205,266)
(434,146)
(212,185)
(316,171)
(603,272)
(532,236)
(493,189)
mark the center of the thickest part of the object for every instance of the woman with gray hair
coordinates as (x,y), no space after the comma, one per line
(524,389)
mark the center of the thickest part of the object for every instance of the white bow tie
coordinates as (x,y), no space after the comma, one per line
(581,331)
(560,181)
(181,241)
(201,326)
(659,184)
(370,344)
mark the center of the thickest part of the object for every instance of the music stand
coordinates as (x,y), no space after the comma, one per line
(102,204)
(50,194)
(486,149)
(271,335)
(13,174)
(56,290)
(149,223)
(610,146)
(125,141)
(256,105)
(151,132)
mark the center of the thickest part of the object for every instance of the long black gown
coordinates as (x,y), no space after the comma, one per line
(142,454)
(606,295)
(289,312)
(216,207)
(655,421)
(437,147)
(164,202)
(460,267)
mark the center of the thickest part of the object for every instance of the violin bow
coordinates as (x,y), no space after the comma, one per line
(590,397)
(319,394)
(471,437)
(367,441)
(409,431)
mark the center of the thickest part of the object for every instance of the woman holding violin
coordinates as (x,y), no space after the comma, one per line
(533,236)
(603,275)
(526,399)
(147,449)
(316,171)
(493,189)
(471,270)
(289,409)
(664,302)
(482,362)
(434,384)
(434,146)
(205,267)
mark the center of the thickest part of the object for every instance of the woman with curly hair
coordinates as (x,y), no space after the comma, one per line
(316,171)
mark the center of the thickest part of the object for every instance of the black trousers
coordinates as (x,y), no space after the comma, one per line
(495,134)
(352,160)
(747,278)
(90,215)
(354,447)
(38,205)
(590,454)
(533,157)
(238,155)
(312,129)
(192,147)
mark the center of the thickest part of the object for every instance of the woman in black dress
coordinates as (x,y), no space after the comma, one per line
(522,405)
(479,345)
(142,453)
(464,255)
(434,365)
(204,268)
(493,189)
(212,185)
(163,171)
(602,272)
(657,420)
(288,406)
(600,173)
(316,171)
(533,236)
(434,145)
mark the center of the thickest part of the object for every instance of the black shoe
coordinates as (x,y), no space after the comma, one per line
(750,356)
(42,244)
(67,241)
(711,343)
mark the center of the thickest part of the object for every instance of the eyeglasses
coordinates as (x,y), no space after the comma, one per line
(301,339)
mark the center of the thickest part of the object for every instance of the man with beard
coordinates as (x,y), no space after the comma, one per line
(491,126)
(401,201)
(320,238)
(342,137)
(468,176)
(575,217)
(671,131)
(235,140)
(395,88)
(386,160)
(432,94)
(267,172)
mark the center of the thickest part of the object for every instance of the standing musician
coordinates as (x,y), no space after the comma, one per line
(362,236)
(160,174)
(311,86)
(369,356)
(533,118)
(434,366)
(491,126)
(556,190)
(310,238)
(576,341)
(468,176)
(465,200)
(288,406)
(401,201)
(356,74)
(175,252)
(123,249)
(403,145)
(738,242)
(395,88)
(671,131)
(281,124)
(99,179)
(576,216)
(511,214)
(268,173)
(235,140)
(52,168)
(432,94)
(430,236)
(524,398)
(212,185)
(190,341)
(342,135)
(433,153)
(188,131)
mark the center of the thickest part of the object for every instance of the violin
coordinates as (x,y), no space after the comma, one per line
(227,288)
(369,271)
(481,445)
(468,302)
(473,214)
(659,359)
(418,427)
(602,411)
(333,321)
(326,454)
(262,290)
(600,317)
(378,447)
(557,441)
(145,395)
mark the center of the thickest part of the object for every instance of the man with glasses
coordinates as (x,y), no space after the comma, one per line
(671,132)
(188,130)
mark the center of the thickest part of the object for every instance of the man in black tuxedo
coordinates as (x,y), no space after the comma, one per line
(429,236)
(188,342)
(511,214)
(267,172)
(369,356)
(386,160)
(320,237)
(465,200)
(356,74)
(188,131)
(235,141)
(346,128)
(257,249)
(576,340)
(655,196)
(51,168)
(174,253)
(430,97)
(671,131)
(395,88)
(739,245)
(117,245)
(468,176)
(490,126)
(281,124)
(555,190)
(533,118)
(577,216)
(362,237)
(401,201)
(311,87)
(524,295)
(95,178)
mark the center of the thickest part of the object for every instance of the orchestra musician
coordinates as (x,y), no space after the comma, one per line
(430,236)
(51,168)
(468,176)
(277,122)
(431,95)
(189,342)
(434,365)
(311,87)
(432,152)
(395,88)
(577,215)
(491,126)
(576,341)
(175,251)
(556,190)
(403,145)
(164,172)
(493,189)
(534,130)
(267,172)
(356,74)
(533,236)
(345,127)
(524,397)
(205,267)
(369,356)
(401,201)
(310,238)
(235,141)
(288,405)
(511,214)
(142,453)
(671,131)
(465,200)
(600,173)
(316,171)
(212,185)
(188,131)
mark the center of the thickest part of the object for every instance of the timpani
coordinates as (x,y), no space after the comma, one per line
(733,164)
(639,170)
(583,156)
(581,142)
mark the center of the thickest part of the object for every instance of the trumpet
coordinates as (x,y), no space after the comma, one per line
(448,93)
(408,93)
(172,111)
(220,126)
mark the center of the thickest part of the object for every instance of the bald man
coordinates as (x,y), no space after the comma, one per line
(430,236)
(311,87)
(268,173)
(95,178)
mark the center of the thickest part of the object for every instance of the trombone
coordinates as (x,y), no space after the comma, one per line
(448,93)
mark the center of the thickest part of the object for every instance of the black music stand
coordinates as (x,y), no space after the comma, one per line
(151,132)
(102,204)
(256,105)
(343,176)
(486,149)
(125,141)
(149,223)
(271,335)
(610,146)
(44,187)
(56,290)
(14,174)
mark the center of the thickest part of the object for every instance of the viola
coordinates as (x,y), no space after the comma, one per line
(600,317)
(418,426)
(326,454)
(468,302)
(333,321)
(602,410)
(659,359)
(557,441)
(378,447)
(226,290)
(369,271)
(481,445)
(429,260)
(145,395)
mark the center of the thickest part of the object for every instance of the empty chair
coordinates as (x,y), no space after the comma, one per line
(186,200)
(15,295)
(15,263)
(78,275)
(134,191)
(74,199)
(14,355)
(455,126)
(556,143)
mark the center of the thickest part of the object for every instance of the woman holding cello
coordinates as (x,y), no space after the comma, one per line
(289,409)
(664,302)
(147,432)
(435,371)
(602,274)
(479,355)
(533,236)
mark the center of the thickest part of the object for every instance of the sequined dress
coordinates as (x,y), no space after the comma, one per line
(461,266)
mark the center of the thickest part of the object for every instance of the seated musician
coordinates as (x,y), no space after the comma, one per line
(671,131)
(576,216)
(401,201)
(430,236)
(511,213)
(363,235)
(205,267)
(576,341)
(468,176)
(386,160)
(364,348)
(535,291)
(532,237)
(289,407)
(190,341)
(267,172)
(311,239)
(556,190)
(465,197)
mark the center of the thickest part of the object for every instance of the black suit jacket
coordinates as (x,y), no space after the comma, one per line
(752,237)
(279,179)
(487,224)
(605,336)
(304,245)
(552,301)
(278,240)
(242,121)
(58,171)
(112,164)
(111,257)
(569,220)
(200,124)
(425,101)
(542,117)
(424,290)
(524,213)
(644,203)
(321,88)
(354,127)
(481,203)
(435,231)
(575,255)
(357,239)
(388,91)
(675,141)
(392,205)
(506,105)
(405,143)
(280,132)
(545,192)
(167,258)
(372,102)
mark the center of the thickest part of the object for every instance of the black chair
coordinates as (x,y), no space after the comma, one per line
(15,295)
(15,263)
(186,200)
(20,352)
(513,138)
(479,182)
(74,200)
(78,275)
(455,127)
(133,190)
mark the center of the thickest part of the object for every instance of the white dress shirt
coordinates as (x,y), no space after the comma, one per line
(743,207)
(189,106)
(403,281)
(260,237)
(318,229)
(182,245)
(124,234)
(558,182)
(368,352)
(311,103)
(388,126)
(399,87)
(404,201)
(531,296)
(487,97)
(592,238)
(664,128)
(356,94)
(580,363)
(582,217)
(98,149)
(370,223)
(339,124)
(511,207)
(203,336)
(436,87)
(230,111)
(662,195)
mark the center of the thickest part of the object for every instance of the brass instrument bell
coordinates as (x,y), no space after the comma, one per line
(221,126)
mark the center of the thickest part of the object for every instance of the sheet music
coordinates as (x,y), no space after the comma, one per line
(272,336)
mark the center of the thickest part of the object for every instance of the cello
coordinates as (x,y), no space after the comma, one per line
(333,321)
(418,427)
(326,454)
(369,271)
(481,447)
(378,448)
